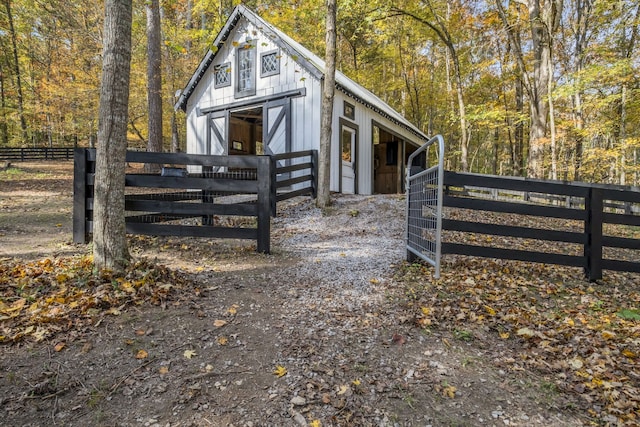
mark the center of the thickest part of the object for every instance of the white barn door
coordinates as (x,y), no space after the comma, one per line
(217,137)
(348,144)
(276,127)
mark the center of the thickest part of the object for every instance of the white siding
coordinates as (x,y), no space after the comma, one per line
(305,110)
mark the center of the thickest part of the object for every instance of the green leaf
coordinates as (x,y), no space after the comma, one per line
(629,314)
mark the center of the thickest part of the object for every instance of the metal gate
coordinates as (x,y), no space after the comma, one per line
(424,204)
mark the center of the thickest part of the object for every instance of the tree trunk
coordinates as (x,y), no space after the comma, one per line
(109,235)
(16,70)
(154,80)
(629,48)
(328,91)
(552,124)
(175,136)
(4,127)
(539,108)
(583,9)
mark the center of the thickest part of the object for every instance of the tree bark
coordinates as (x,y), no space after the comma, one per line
(109,235)
(16,70)
(4,127)
(328,91)
(544,18)
(154,80)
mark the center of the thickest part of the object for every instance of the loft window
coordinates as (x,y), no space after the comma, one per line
(269,64)
(349,110)
(222,75)
(246,71)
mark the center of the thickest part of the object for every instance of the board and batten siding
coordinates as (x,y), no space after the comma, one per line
(305,110)
(364,119)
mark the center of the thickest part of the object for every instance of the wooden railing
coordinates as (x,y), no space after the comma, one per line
(36,153)
(589,209)
(235,186)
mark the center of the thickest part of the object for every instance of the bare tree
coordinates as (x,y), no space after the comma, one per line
(324,167)
(154,77)
(109,234)
(16,70)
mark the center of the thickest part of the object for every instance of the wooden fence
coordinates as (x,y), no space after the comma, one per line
(593,206)
(235,186)
(36,153)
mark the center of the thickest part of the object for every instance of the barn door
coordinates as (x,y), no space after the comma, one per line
(349,154)
(217,138)
(276,127)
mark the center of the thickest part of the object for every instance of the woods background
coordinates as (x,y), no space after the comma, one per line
(540,88)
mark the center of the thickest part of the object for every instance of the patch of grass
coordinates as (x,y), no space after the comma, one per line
(14,174)
(463,334)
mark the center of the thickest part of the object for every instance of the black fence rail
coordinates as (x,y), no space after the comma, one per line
(36,153)
(593,207)
(199,189)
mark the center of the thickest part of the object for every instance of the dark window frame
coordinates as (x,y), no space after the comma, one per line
(349,110)
(249,50)
(276,54)
(226,67)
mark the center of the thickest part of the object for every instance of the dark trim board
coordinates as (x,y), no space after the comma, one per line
(256,101)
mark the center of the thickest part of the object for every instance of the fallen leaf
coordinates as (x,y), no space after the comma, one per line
(315,423)
(326,398)
(525,332)
(280,371)
(223,340)
(218,323)
(233,309)
(576,363)
(59,346)
(449,391)
(398,339)
(142,354)
(343,389)
(188,354)
(164,370)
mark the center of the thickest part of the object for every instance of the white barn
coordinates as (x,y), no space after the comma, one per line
(259,92)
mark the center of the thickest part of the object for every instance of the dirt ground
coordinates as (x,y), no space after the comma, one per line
(316,333)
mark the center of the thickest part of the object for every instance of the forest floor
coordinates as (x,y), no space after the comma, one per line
(332,328)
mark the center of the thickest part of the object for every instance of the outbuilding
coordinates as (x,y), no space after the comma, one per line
(258,91)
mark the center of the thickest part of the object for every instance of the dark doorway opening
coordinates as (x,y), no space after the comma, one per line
(245,132)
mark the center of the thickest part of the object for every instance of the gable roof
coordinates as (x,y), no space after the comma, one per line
(307,59)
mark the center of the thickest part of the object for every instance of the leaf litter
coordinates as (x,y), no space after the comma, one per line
(41,298)
(581,335)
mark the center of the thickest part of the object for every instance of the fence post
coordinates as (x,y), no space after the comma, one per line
(273,187)
(265,197)
(314,173)
(80,234)
(593,229)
